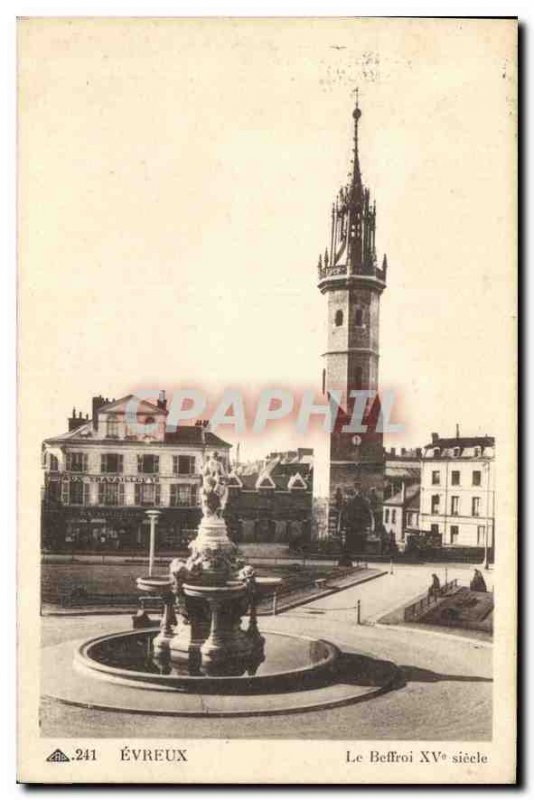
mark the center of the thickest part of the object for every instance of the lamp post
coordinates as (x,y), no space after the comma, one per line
(152,515)
(489,524)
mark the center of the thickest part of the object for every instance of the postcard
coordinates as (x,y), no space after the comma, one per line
(267,310)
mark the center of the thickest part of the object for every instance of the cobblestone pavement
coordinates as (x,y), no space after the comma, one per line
(447,694)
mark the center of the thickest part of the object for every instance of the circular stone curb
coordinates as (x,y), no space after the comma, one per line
(286,679)
(62,682)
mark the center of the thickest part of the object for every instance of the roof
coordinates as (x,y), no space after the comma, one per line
(273,479)
(399,471)
(411,498)
(83,433)
(188,435)
(464,441)
(122,401)
(192,435)
(413,501)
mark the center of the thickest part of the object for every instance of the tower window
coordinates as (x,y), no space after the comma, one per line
(358,317)
(338,320)
(358,378)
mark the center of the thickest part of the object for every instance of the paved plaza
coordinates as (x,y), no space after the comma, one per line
(447,678)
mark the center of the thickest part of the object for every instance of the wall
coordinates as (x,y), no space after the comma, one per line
(467,524)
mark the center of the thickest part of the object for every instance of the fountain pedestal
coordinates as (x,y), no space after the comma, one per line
(168,618)
(212,590)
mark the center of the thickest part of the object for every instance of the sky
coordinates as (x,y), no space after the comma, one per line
(175,184)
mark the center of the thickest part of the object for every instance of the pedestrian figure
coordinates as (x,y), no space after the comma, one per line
(435,587)
(478,584)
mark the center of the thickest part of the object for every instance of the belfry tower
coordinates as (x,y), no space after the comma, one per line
(352,282)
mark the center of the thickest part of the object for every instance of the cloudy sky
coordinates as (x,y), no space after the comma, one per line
(175,187)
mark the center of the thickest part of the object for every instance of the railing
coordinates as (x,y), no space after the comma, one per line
(415,610)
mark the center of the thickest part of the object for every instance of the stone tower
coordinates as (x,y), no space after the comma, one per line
(353,283)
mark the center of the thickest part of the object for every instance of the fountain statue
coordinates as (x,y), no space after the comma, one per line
(206,595)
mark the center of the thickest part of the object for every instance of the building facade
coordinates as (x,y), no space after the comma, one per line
(352,283)
(271,501)
(458,490)
(401,514)
(104,473)
(402,468)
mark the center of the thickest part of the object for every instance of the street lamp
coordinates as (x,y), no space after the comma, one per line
(486,558)
(489,524)
(152,515)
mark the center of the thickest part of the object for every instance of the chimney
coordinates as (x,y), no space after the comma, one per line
(457,431)
(393,451)
(435,437)
(202,424)
(418,452)
(75,421)
(162,400)
(403,451)
(97,403)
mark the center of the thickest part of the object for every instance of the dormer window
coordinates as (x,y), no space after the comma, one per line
(436,452)
(112,428)
(338,319)
(296,482)
(265,482)
(456,452)
(478,452)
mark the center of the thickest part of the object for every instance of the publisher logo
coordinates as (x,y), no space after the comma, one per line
(58,757)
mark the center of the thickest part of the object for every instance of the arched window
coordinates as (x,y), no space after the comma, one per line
(338,320)
(358,317)
(54,465)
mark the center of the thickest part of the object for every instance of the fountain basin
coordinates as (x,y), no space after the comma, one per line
(150,583)
(266,585)
(286,663)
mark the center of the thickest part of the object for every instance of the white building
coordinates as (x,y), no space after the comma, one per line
(105,471)
(458,490)
(400,514)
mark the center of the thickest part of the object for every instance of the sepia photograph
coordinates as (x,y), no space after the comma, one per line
(267,302)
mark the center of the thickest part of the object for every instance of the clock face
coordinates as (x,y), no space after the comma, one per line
(356,440)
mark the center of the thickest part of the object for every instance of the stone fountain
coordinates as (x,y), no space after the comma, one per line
(206,596)
(208,640)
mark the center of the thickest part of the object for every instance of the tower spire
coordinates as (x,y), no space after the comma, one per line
(353,223)
(356,172)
